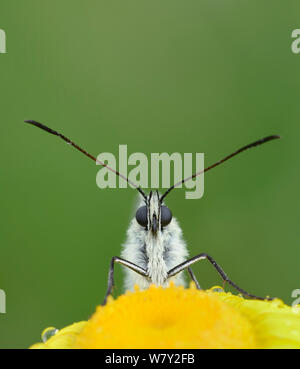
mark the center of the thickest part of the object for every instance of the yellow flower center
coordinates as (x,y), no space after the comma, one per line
(175,317)
(167,318)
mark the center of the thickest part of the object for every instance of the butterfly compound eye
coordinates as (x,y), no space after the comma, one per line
(165,216)
(141,216)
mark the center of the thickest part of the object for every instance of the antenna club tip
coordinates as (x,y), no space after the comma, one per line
(42,126)
(35,123)
(269,138)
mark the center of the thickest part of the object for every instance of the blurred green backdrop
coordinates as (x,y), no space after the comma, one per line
(159,76)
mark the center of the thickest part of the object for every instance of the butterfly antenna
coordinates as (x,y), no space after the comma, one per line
(55,133)
(253,144)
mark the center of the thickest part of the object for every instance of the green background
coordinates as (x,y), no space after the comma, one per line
(159,76)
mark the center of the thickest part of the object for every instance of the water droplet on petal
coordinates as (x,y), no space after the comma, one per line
(48,333)
(217,289)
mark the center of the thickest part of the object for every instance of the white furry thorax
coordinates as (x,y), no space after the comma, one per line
(157,254)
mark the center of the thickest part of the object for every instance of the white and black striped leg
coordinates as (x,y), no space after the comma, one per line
(179,268)
(193,278)
(125,263)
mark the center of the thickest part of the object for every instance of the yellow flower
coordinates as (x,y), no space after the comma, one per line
(183,318)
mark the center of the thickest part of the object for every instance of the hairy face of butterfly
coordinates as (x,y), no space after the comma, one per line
(164,218)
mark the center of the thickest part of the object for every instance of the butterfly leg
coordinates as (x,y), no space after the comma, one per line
(186,264)
(125,263)
(193,278)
